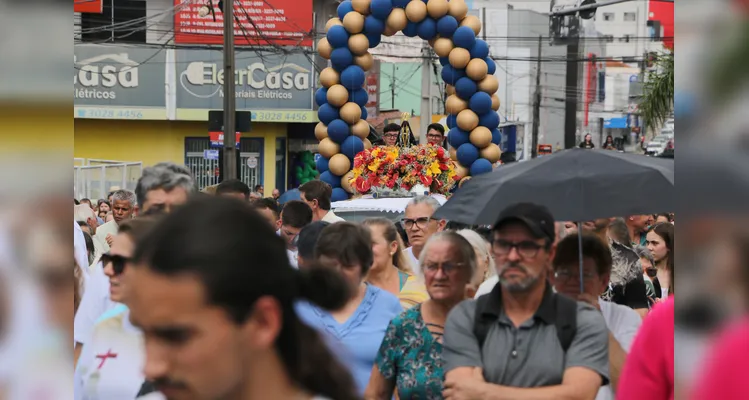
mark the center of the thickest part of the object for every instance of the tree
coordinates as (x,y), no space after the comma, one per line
(658,93)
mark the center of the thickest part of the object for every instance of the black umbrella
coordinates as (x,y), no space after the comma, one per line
(574,184)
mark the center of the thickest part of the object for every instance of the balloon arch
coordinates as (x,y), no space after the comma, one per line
(466,69)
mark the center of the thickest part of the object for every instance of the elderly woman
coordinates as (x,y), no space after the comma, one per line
(648,270)
(410,358)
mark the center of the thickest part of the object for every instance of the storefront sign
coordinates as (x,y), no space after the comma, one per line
(257,22)
(119,82)
(88,6)
(217,138)
(210,154)
(276,82)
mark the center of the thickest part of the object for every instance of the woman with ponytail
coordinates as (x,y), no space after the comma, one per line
(212,290)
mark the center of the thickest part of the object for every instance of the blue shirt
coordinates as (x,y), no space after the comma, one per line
(357,340)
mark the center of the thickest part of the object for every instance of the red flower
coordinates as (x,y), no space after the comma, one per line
(426,180)
(362,186)
(441,152)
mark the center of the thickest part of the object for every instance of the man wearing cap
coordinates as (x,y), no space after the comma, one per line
(523,341)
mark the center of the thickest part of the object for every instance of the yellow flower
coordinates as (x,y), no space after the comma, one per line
(374,166)
(435,168)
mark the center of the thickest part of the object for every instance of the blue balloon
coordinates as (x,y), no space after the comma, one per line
(321,164)
(374,40)
(496,136)
(464,37)
(492,65)
(401,3)
(457,137)
(481,166)
(373,26)
(427,29)
(339,195)
(467,154)
(444,61)
(352,146)
(359,96)
(381,8)
(327,113)
(341,58)
(352,77)
(330,179)
(480,103)
(338,130)
(452,121)
(364,113)
(465,87)
(451,75)
(321,96)
(344,8)
(337,36)
(489,120)
(480,49)
(411,29)
(447,25)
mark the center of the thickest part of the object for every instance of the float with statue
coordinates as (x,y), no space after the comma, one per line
(349,162)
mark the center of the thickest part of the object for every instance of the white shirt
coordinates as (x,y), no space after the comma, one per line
(111,364)
(94,303)
(330,217)
(487,286)
(414,261)
(79,248)
(291,254)
(110,227)
(623,322)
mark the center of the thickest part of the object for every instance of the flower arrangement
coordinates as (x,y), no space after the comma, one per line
(400,169)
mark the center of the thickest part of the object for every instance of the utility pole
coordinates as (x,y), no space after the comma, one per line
(230,106)
(392,89)
(426,94)
(537,103)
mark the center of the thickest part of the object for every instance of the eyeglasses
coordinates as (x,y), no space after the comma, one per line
(421,223)
(447,268)
(118,262)
(390,135)
(434,136)
(526,248)
(565,274)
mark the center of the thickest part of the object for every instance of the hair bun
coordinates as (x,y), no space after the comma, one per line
(324,287)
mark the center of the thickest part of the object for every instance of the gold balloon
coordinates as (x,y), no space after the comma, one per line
(365,61)
(453,153)
(459,57)
(360,129)
(477,69)
(328,148)
(359,44)
(337,95)
(443,46)
(454,104)
(361,6)
(324,48)
(437,8)
(463,181)
(495,102)
(332,22)
(351,113)
(329,77)
(397,20)
(491,153)
(389,32)
(367,144)
(339,164)
(431,41)
(489,84)
(481,137)
(458,9)
(460,170)
(449,89)
(416,11)
(468,120)
(353,22)
(346,181)
(321,131)
(472,22)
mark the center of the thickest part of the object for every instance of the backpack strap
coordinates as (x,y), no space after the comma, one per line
(565,320)
(482,320)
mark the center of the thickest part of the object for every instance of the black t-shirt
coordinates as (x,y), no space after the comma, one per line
(627,285)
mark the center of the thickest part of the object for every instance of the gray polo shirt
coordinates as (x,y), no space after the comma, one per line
(530,355)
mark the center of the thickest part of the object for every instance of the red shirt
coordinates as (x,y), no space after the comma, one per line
(727,363)
(649,370)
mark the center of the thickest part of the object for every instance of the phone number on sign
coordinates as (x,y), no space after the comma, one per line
(267,116)
(110,114)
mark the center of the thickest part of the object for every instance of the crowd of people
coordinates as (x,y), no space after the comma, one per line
(188,295)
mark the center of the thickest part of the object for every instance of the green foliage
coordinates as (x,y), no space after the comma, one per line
(658,93)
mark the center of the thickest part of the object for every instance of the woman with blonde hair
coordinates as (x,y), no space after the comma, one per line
(486,266)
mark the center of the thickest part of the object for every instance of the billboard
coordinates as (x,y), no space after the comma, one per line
(118,82)
(256,22)
(663,12)
(88,6)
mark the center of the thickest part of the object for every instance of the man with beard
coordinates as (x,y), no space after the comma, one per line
(523,341)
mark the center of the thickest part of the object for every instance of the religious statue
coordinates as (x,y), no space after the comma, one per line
(405,136)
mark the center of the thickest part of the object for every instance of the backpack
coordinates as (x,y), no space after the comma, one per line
(565,321)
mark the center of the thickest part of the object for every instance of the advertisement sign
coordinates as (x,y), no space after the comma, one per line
(372,82)
(88,6)
(217,139)
(211,154)
(256,22)
(114,82)
(663,12)
(275,87)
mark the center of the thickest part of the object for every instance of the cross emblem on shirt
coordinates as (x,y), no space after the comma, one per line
(104,357)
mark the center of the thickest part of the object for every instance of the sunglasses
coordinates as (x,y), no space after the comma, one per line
(118,262)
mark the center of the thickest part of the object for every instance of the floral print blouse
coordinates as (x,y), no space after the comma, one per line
(412,357)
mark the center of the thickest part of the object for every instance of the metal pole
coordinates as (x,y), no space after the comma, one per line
(426,89)
(537,103)
(230,148)
(392,89)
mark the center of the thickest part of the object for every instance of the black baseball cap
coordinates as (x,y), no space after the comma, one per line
(537,218)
